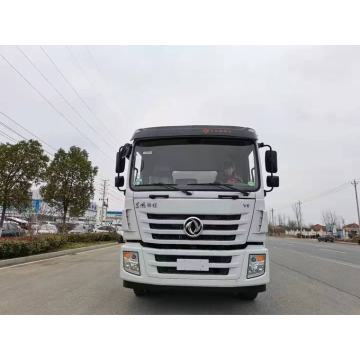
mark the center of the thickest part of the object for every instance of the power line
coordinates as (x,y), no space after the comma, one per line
(51,104)
(28,131)
(21,136)
(12,130)
(77,63)
(74,89)
(60,94)
(6,136)
(98,69)
(322,194)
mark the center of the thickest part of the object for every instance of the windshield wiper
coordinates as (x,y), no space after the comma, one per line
(170,187)
(228,186)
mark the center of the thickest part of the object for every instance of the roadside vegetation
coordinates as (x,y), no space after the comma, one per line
(66,182)
(32,245)
(21,165)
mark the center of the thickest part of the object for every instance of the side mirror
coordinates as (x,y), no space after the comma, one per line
(120,163)
(272,181)
(271,161)
(119,181)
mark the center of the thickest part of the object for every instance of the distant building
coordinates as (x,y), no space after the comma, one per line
(319,229)
(114,217)
(351,230)
(40,207)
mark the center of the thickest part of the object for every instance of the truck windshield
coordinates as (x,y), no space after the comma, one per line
(195,164)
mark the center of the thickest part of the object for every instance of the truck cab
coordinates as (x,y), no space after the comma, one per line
(194,213)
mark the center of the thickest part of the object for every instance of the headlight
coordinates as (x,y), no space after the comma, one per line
(256,265)
(131,262)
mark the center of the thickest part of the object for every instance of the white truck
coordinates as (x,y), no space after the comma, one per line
(194,213)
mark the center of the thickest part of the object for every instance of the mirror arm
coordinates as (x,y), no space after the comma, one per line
(267,191)
(122,190)
(261,145)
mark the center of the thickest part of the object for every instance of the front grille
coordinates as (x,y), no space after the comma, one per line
(185,216)
(181,226)
(200,237)
(212,259)
(218,227)
(173,270)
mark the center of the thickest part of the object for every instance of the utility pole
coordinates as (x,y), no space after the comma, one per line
(104,201)
(299,203)
(272,217)
(301,218)
(355,183)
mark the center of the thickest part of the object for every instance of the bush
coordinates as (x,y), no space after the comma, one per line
(15,247)
(92,237)
(356,239)
(25,246)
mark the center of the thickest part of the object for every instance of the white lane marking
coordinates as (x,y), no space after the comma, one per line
(341,252)
(53,258)
(325,259)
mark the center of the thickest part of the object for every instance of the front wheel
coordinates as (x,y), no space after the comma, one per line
(248,296)
(139,292)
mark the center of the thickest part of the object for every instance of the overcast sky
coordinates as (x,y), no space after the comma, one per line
(304,101)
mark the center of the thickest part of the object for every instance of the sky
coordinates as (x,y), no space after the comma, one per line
(302,100)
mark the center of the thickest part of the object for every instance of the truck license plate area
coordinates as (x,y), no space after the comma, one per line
(192,265)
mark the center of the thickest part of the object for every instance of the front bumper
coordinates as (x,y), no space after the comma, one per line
(235,278)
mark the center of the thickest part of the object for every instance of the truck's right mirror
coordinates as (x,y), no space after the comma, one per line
(119,181)
(271,161)
(120,163)
(272,181)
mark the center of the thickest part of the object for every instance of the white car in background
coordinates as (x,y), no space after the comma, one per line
(47,229)
(80,229)
(105,229)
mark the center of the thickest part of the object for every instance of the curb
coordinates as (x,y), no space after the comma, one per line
(346,242)
(50,255)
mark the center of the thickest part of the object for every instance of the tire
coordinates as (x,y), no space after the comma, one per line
(248,296)
(139,292)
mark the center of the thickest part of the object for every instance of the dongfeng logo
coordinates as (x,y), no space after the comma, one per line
(193,227)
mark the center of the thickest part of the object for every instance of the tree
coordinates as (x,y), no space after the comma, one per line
(291,224)
(330,219)
(281,220)
(21,165)
(69,182)
(298,215)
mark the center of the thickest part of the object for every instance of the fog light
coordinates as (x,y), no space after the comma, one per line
(131,262)
(256,266)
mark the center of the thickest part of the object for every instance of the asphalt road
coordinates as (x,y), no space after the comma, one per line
(307,277)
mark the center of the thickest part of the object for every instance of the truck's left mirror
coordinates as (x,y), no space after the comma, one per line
(120,163)
(119,181)
(271,161)
(272,181)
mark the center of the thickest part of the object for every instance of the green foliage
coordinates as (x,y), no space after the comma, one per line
(70,182)
(90,237)
(25,246)
(356,239)
(10,248)
(21,165)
